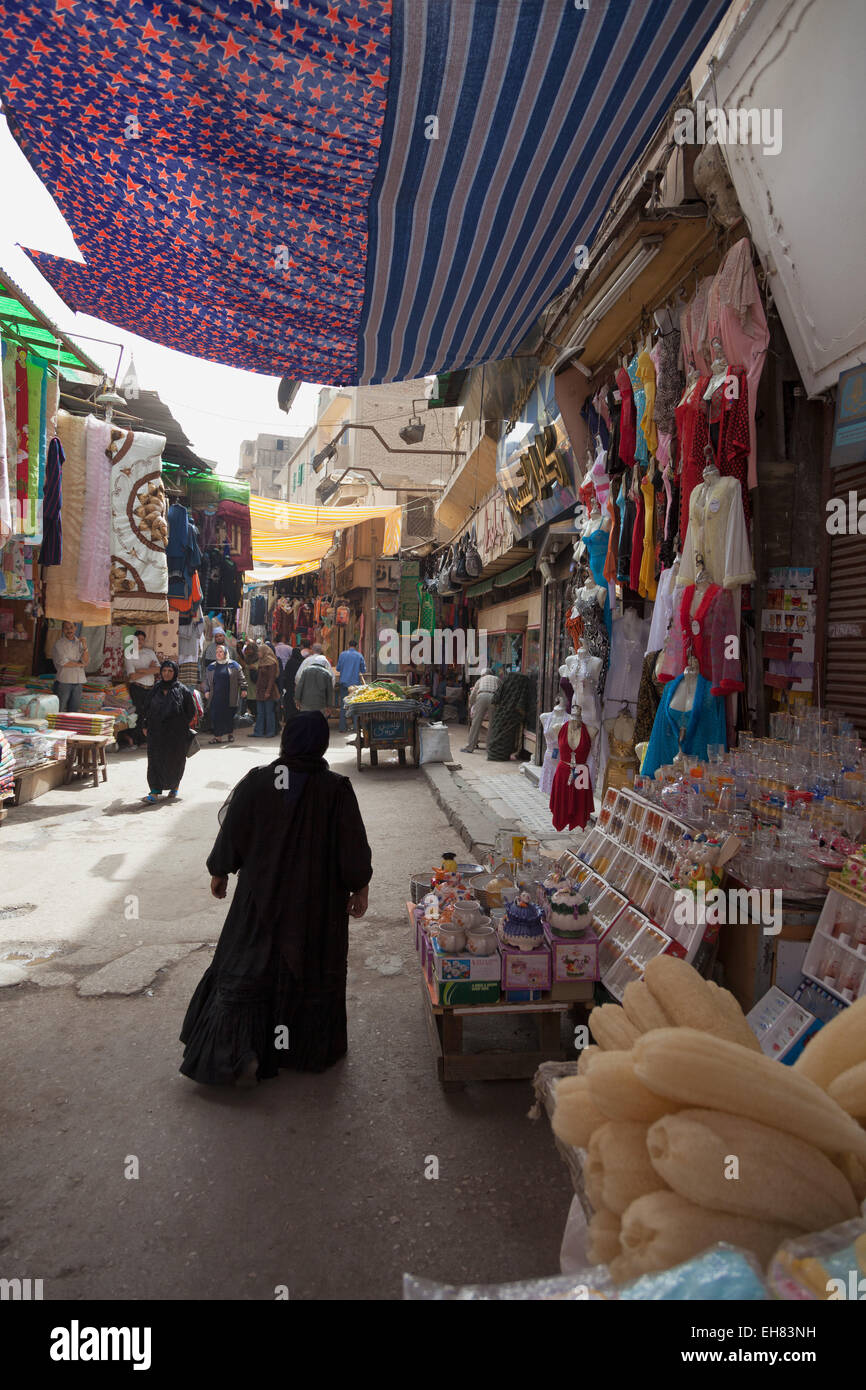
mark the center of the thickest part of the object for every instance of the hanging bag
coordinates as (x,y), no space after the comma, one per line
(473,559)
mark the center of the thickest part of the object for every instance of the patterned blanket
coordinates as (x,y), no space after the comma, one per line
(139,530)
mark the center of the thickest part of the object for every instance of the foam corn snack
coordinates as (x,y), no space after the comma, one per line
(663,1229)
(618,1094)
(848,1089)
(642,1008)
(618,1165)
(689,1002)
(603,1244)
(585,1058)
(854,1169)
(575,1115)
(699,1070)
(778,1177)
(611,1029)
(836,1047)
(729,1006)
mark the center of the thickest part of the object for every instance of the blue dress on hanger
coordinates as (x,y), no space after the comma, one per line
(641,452)
(596,546)
(703,724)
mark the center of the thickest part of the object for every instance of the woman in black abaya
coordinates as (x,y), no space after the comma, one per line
(275,994)
(169,716)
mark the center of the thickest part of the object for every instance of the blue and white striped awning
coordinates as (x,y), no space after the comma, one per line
(342,191)
(541,108)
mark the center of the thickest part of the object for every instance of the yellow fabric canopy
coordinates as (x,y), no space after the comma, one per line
(286,535)
(271,573)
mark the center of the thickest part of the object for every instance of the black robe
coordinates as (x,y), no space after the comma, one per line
(167,741)
(279,972)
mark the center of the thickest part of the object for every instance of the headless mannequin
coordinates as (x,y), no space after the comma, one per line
(719,369)
(684,698)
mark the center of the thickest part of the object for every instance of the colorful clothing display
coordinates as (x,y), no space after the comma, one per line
(736,315)
(647,574)
(571,799)
(685,731)
(709,632)
(717,531)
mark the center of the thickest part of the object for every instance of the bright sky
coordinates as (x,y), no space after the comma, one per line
(216,406)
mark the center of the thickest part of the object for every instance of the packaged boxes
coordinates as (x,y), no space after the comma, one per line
(525,969)
(465,991)
(464,967)
(572,958)
(781,1025)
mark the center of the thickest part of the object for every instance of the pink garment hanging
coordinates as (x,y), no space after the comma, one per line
(708,633)
(693,327)
(736,315)
(94,561)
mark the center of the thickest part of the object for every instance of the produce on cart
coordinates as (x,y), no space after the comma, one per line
(382,720)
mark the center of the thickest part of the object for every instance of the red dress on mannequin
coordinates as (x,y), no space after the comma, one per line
(571,801)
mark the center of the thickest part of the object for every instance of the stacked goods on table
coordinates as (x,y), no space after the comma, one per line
(458,947)
(34,747)
(7,767)
(528,947)
(694,1137)
(98,725)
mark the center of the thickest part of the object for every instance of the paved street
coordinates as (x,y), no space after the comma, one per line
(312,1182)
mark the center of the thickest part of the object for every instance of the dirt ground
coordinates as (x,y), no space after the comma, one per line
(315,1183)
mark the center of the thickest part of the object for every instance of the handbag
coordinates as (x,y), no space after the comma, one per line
(473,559)
(192,744)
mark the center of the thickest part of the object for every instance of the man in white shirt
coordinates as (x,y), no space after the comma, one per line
(70,657)
(142,668)
(480,700)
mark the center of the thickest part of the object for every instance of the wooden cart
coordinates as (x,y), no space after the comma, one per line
(387,724)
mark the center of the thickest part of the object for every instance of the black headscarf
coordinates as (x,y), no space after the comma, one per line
(167,697)
(302,747)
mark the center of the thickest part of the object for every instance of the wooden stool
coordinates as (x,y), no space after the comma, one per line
(85,757)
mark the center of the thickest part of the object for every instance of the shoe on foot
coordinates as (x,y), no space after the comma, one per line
(152,796)
(173,796)
(247,1077)
(467,750)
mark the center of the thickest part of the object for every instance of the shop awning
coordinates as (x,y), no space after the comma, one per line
(361,192)
(287,535)
(516,572)
(476,590)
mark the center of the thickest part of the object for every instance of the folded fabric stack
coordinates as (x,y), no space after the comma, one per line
(100,725)
(7,768)
(33,748)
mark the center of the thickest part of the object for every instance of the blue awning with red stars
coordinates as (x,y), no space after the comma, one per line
(349,192)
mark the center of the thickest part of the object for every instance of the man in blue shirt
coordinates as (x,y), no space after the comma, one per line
(350,664)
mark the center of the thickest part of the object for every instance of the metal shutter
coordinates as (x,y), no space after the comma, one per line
(845,660)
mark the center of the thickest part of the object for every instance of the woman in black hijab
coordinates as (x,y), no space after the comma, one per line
(287,683)
(275,994)
(169,715)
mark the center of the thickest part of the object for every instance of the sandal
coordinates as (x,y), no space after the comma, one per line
(231,738)
(215,742)
(151,797)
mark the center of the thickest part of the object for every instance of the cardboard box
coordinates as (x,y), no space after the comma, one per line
(572,958)
(575,992)
(466,991)
(526,969)
(465,966)
(781,1026)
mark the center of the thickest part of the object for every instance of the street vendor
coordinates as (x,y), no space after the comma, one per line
(70,658)
(350,664)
